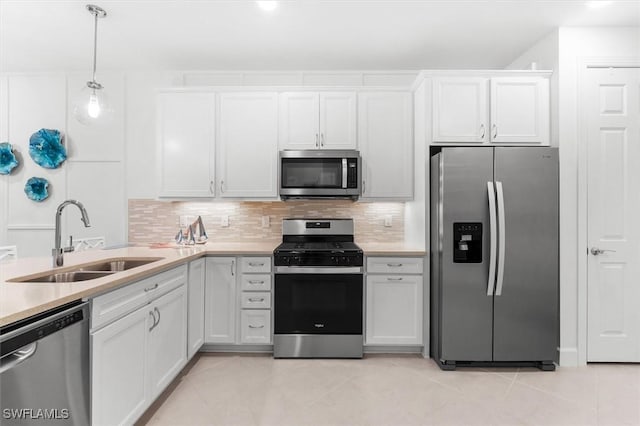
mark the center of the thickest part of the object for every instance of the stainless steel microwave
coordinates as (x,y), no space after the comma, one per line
(317,174)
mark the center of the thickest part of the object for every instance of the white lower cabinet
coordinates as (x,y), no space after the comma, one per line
(220,300)
(394,303)
(167,340)
(136,356)
(255,326)
(195,330)
(118,370)
(238,305)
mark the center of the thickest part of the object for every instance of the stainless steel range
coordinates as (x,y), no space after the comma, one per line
(318,290)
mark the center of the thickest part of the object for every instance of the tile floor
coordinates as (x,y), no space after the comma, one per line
(393,390)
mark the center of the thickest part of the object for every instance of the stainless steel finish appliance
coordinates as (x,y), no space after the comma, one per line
(494,260)
(318,290)
(44,369)
(319,174)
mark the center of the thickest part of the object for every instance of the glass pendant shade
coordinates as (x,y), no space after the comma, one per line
(92,106)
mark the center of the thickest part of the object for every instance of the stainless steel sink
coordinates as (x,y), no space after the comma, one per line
(117,265)
(66,277)
(87,271)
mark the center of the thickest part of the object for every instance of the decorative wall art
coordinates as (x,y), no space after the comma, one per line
(36,189)
(46,149)
(8,160)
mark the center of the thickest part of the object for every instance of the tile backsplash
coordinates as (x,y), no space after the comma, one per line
(159,221)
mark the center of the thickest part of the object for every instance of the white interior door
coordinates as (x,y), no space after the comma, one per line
(613,137)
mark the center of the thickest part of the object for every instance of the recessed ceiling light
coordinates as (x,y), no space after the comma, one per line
(597,4)
(267,5)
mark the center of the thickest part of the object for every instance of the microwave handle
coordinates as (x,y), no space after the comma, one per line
(344,172)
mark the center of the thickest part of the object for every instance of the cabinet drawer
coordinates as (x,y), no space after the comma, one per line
(255,282)
(255,264)
(256,300)
(394,265)
(255,326)
(112,305)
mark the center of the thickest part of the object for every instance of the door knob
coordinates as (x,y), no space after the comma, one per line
(596,251)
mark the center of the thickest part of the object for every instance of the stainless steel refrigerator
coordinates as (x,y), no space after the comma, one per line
(494,256)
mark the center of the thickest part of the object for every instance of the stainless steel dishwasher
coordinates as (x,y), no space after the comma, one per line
(44,368)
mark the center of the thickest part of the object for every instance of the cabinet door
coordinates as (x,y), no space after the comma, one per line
(195,330)
(220,300)
(338,120)
(520,110)
(185,134)
(299,120)
(394,310)
(255,326)
(167,340)
(386,144)
(460,110)
(118,369)
(248,141)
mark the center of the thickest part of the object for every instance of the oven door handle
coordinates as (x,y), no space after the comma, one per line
(318,270)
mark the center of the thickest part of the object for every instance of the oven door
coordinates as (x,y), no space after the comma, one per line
(320,303)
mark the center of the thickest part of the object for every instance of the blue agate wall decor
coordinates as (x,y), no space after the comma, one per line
(8,160)
(36,189)
(46,149)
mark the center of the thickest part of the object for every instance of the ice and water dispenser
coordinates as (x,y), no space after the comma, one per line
(467,242)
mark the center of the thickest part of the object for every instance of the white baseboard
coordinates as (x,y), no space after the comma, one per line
(568,357)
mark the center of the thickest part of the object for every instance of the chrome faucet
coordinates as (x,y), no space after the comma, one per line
(58,251)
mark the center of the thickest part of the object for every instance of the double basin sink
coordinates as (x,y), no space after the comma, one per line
(88,271)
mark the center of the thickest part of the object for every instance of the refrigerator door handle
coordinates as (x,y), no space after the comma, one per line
(501,238)
(493,238)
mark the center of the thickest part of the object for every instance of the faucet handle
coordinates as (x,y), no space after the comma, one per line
(70,248)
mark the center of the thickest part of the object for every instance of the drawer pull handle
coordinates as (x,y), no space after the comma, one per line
(256,299)
(394,265)
(256,326)
(153,287)
(394,279)
(256,264)
(256,282)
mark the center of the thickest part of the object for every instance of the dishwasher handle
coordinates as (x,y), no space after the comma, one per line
(19,356)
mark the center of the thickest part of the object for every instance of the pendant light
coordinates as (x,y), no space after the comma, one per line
(92,104)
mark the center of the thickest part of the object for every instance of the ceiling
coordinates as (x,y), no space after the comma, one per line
(301,34)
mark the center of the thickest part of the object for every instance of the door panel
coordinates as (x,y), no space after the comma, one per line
(460,110)
(613,290)
(338,120)
(299,114)
(526,323)
(465,309)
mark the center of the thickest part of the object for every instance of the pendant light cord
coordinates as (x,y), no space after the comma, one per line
(95,44)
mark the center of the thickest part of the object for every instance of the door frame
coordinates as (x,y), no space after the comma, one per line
(584,64)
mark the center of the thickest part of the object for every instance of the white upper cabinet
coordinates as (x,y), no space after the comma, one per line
(496,110)
(248,144)
(520,110)
(385,121)
(299,120)
(185,135)
(338,120)
(312,120)
(460,110)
